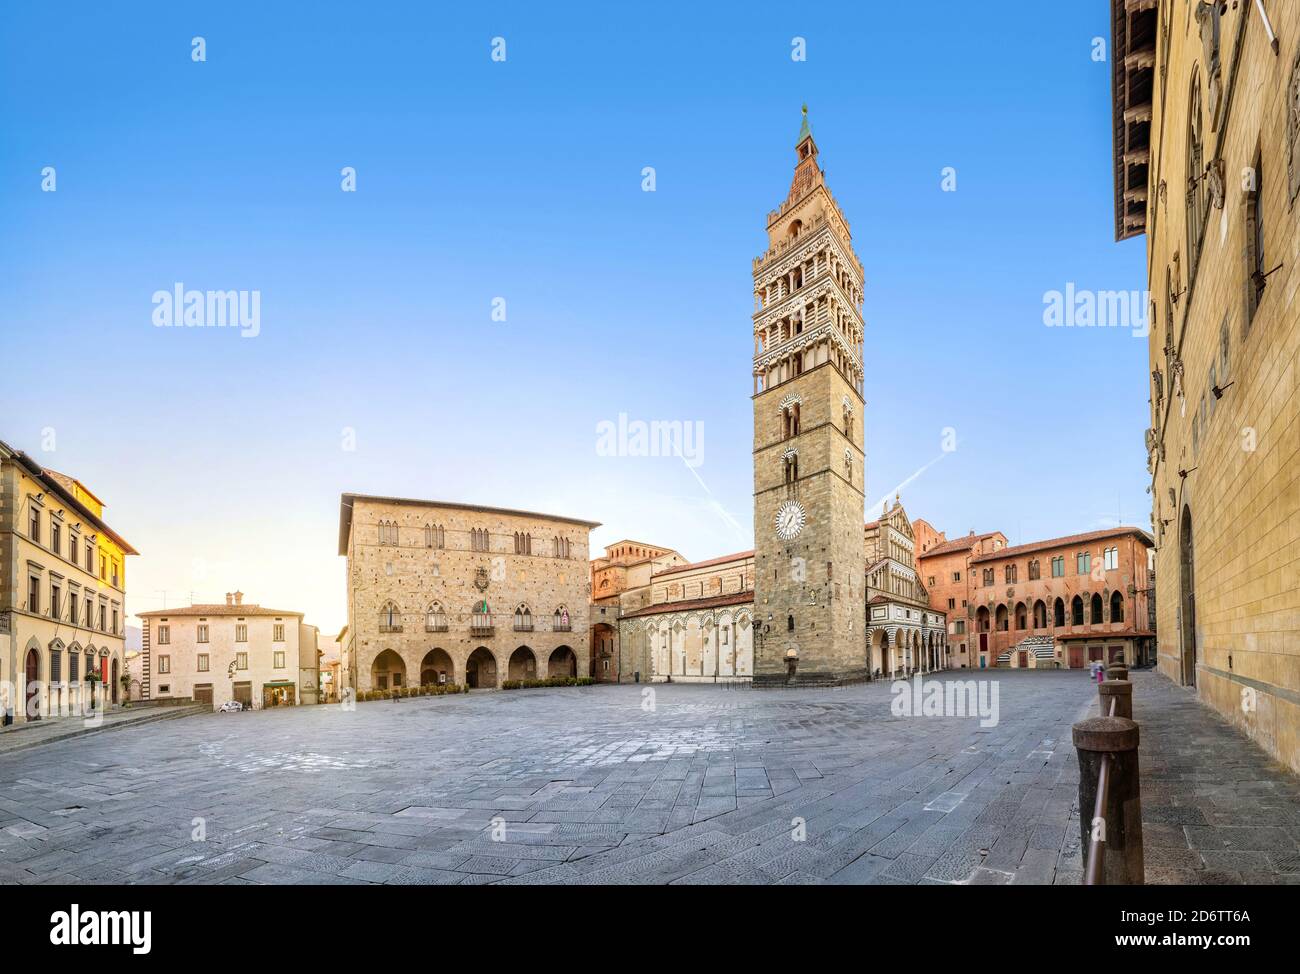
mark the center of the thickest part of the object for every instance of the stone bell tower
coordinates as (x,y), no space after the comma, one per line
(809,563)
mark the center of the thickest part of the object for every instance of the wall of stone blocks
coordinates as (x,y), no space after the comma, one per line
(414,576)
(1241,452)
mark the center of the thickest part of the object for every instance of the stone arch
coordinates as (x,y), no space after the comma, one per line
(437,667)
(1116,606)
(481,669)
(1095,615)
(603,646)
(388,671)
(1058,613)
(1187,597)
(1076,611)
(522,664)
(1040,614)
(1021,616)
(982,619)
(888,644)
(1001,618)
(33,674)
(563,662)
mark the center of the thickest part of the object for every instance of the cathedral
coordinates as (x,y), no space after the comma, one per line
(824,598)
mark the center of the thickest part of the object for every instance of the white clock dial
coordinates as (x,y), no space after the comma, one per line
(790,518)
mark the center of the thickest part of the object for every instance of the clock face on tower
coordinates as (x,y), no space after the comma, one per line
(789,520)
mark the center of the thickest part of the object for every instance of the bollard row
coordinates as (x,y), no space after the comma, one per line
(1110,801)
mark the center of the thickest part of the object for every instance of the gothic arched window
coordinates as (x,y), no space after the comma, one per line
(523,618)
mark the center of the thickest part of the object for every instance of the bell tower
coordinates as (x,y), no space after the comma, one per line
(810,561)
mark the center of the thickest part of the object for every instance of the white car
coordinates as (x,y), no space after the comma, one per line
(230,707)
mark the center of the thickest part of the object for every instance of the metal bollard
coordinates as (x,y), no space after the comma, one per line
(1117,671)
(1110,803)
(1119,691)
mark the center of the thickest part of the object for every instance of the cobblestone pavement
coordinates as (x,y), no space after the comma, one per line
(585,785)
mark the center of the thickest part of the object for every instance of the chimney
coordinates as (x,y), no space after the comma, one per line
(230,599)
(239,598)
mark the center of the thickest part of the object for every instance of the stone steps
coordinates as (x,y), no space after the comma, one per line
(22,737)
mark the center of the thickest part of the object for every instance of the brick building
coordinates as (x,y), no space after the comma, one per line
(1058,602)
(620,582)
(944,566)
(459,593)
(1206,103)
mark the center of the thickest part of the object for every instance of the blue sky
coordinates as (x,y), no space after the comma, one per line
(221,457)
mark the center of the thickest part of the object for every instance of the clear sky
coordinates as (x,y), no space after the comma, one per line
(222,458)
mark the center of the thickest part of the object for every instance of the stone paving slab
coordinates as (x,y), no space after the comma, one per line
(584,786)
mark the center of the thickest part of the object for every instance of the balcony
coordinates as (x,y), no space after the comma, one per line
(390,627)
(481,624)
(562,626)
(523,624)
(436,624)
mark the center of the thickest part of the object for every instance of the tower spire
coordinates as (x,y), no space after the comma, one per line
(806,170)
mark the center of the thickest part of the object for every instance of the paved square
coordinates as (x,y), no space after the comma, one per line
(584,785)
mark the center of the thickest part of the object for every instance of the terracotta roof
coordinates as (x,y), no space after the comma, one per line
(640,544)
(687,605)
(960,544)
(1065,542)
(872,524)
(220,609)
(58,484)
(738,556)
(72,483)
(1121,634)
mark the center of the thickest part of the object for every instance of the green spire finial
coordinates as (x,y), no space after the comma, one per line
(804,131)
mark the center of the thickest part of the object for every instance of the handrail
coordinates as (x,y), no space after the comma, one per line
(1097,846)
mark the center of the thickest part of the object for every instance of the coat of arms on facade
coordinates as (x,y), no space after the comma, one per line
(481,579)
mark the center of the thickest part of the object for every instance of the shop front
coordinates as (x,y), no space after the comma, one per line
(278,693)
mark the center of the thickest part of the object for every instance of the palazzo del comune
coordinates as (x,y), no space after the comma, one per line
(456,593)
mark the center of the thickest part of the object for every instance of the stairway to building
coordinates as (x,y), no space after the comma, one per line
(1040,647)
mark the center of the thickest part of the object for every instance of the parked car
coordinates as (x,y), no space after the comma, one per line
(231,706)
